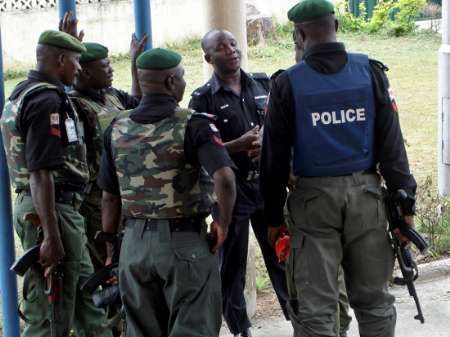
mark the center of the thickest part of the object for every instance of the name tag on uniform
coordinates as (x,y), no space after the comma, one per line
(71,131)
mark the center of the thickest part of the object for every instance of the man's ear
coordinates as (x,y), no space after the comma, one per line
(85,72)
(336,25)
(170,83)
(61,59)
(207,58)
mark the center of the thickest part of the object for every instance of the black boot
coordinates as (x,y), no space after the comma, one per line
(245,333)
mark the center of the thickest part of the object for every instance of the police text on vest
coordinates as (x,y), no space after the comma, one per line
(339,117)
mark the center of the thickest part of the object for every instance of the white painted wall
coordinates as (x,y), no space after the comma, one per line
(112,24)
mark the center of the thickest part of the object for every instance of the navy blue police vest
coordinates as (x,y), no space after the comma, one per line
(334,119)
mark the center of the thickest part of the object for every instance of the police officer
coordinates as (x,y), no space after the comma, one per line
(343,319)
(44,142)
(238,100)
(152,176)
(98,103)
(334,110)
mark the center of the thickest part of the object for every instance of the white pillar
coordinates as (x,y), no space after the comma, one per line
(229,15)
(444,104)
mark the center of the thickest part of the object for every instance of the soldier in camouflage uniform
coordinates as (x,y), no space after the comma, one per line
(44,142)
(98,103)
(152,177)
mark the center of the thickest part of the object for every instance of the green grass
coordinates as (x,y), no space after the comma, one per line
(413,75)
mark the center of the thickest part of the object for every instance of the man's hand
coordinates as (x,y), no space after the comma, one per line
(136,47)
(250,140)
(69,25)
(52,251)
(273,234)
(409,220)
(217,236)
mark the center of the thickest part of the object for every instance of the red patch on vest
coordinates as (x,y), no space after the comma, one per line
(55,132)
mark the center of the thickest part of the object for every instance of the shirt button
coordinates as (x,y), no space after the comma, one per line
(252,123)
(243,100)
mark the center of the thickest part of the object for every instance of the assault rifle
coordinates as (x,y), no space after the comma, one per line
(103,293)
(29,259)
(54,280)
(396,204)
(54,292)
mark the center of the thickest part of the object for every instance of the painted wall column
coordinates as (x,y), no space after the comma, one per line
(8,281)
(143,21)
(444,104)
(65,6)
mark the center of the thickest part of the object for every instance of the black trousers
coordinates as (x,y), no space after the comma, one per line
(233,258)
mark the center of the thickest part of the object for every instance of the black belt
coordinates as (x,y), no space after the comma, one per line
(63,197)
(367,171)
(176,225)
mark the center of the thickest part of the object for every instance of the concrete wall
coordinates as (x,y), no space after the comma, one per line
(112,24)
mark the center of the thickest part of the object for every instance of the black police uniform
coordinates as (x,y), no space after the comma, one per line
(237,114)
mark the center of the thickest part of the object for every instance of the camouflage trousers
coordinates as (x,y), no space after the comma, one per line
(91,210)
(77,311)
(169,283)
(334,222)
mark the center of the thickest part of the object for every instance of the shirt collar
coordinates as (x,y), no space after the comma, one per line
(153,108)
(39,76)
(216,83)
(324,48)
(98,95)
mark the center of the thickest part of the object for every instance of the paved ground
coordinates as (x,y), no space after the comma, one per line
(434,293)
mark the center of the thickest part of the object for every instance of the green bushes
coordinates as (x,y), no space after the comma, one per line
(433,218)
(394,17)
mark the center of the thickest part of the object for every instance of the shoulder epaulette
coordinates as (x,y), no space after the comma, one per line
(204,115)
(259,76)
(276,74)
(379,64)
(202,90)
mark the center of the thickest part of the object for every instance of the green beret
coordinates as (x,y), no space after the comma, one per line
(307,10)
(61,40)
(94,52)
(158,59)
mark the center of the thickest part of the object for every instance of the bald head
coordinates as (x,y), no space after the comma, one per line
(167,82)
(321,30)
(222,51)
(210,39)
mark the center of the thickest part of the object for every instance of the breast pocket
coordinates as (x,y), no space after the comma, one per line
(227,122)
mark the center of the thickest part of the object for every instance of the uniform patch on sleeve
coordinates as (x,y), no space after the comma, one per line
(54,119)
(393,101)
(54,131)
(217,140)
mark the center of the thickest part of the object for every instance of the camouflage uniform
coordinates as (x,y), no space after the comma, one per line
(97,112)
(169,280)
(77,311)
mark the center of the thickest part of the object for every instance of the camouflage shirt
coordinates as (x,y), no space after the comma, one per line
(97,110)
(41,130)
(153,159)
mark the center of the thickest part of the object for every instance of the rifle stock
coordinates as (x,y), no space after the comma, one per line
(395,204)
(26,261)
